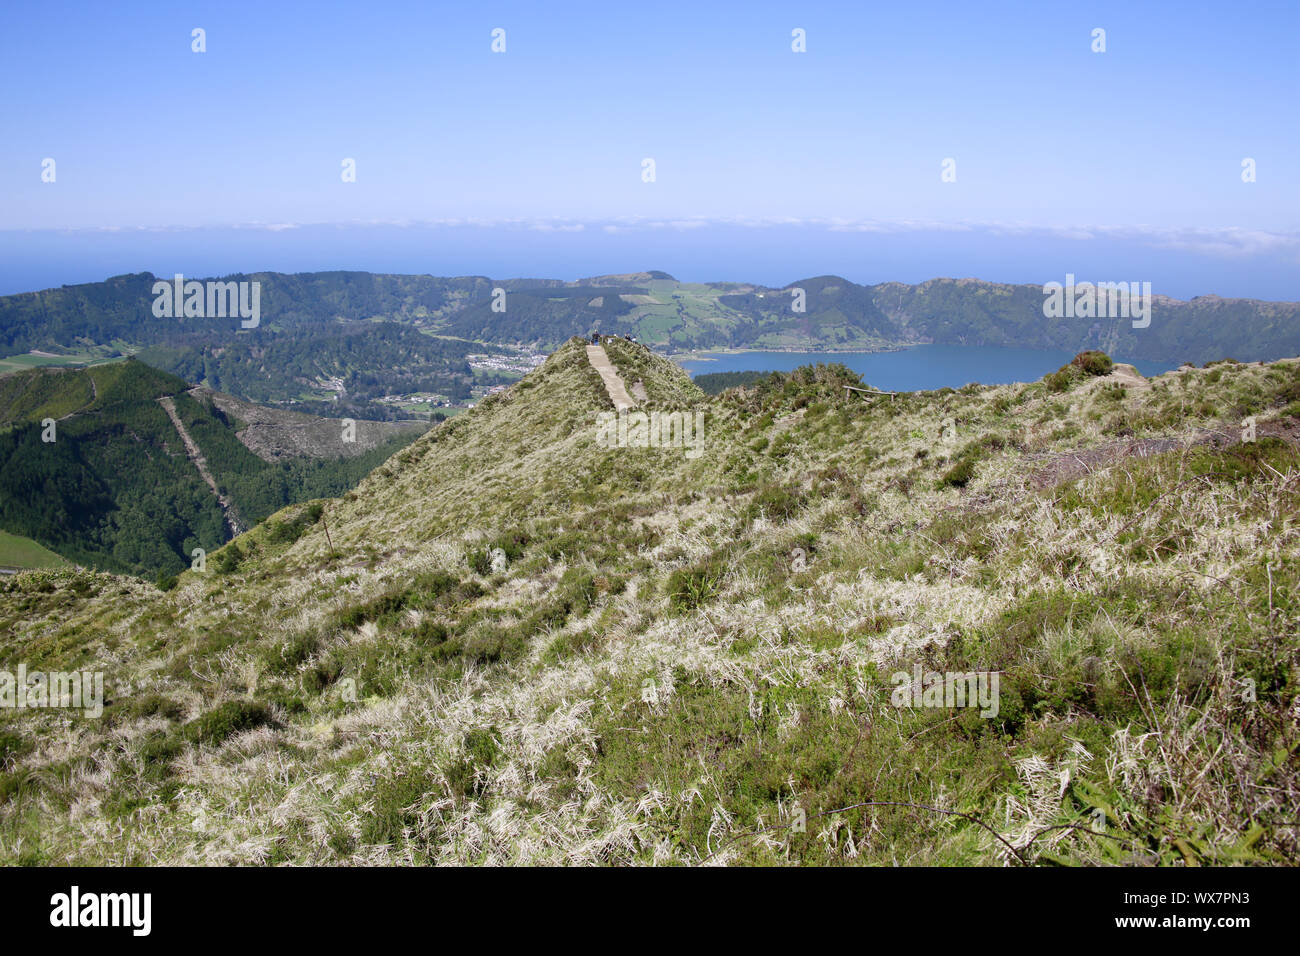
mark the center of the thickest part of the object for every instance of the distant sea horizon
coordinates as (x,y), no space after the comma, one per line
(915,367)
(32,260)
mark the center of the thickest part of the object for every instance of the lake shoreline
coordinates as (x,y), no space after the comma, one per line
(920,367)
(706,355)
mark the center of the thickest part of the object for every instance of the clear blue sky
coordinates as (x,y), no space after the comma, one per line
(1056,147)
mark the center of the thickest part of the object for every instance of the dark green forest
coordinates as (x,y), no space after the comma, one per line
(1203,329)
(260,488)
(372,359)
(546,316)
(380,333)
(355,326)
(715,383)
(120,308)
(115,489)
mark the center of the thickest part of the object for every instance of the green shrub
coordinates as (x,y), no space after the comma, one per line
(156,753)
(385,606)
(146,705)
(1093,362)
(487,644)
(322,675)
(396,807)
(959,475)
(289,654)
(1061,379)
(226,719)
(688,588)
(228,559)
(482,748)
(12,746)
(281,532)
(775,502)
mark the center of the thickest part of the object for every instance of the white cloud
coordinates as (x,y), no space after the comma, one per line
(1218,241)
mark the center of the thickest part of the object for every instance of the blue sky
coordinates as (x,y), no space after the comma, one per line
(768,162)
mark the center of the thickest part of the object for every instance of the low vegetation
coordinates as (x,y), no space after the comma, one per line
(512,643)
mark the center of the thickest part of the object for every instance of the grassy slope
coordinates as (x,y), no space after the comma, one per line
(95,355)
(20,552)
(653,678)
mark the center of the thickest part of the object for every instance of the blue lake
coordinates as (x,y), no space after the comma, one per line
(914,369)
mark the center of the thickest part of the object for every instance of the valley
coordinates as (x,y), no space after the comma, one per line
(125,468)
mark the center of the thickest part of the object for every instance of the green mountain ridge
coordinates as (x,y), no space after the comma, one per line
(325,342)
(374,334)
(518,641)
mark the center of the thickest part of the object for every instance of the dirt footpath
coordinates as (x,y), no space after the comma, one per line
(609,375)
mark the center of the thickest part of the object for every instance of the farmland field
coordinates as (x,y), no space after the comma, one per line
(20,552)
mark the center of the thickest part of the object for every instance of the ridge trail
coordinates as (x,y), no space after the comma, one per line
(609,375)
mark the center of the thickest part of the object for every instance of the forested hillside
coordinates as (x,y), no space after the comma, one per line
(329,343)
(120,308)
(714,383)
(546,315)
(1204,329)
(375,334)
(109,484)
(114,489)
(369,360)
